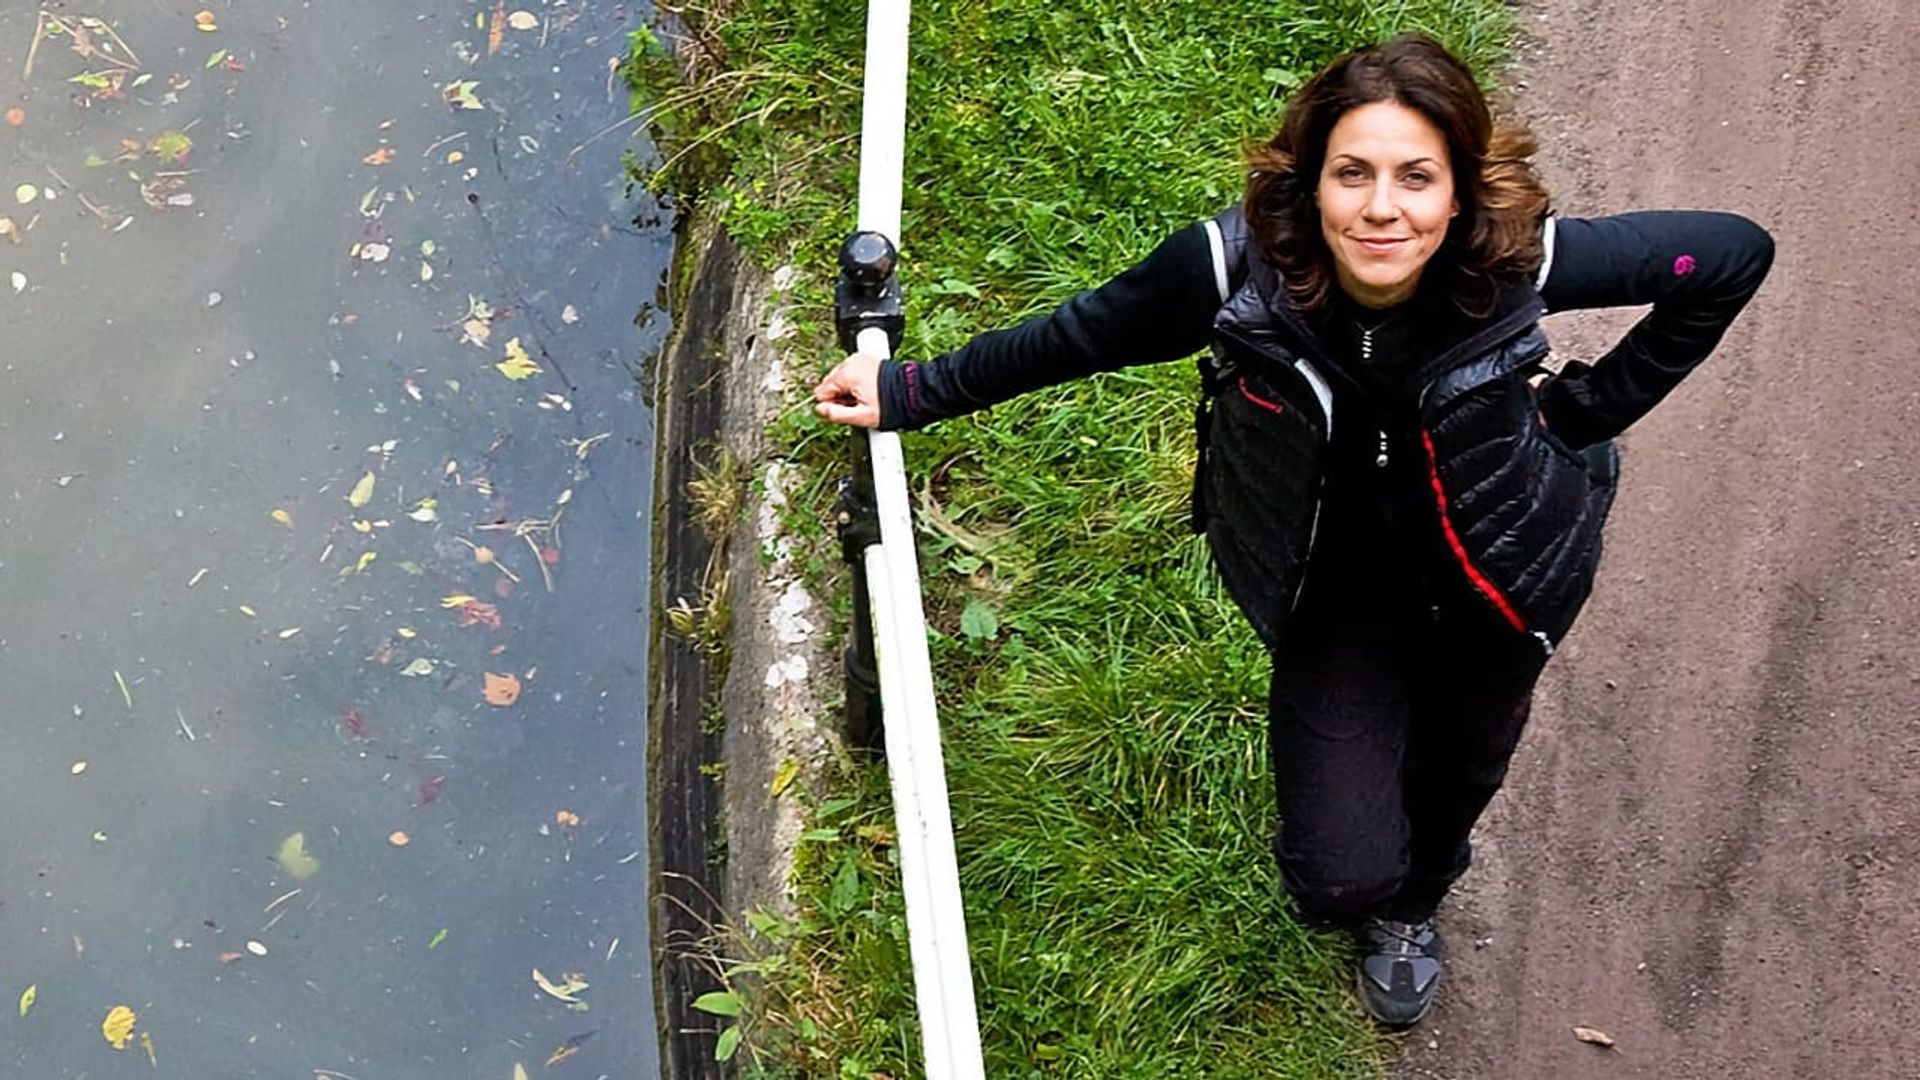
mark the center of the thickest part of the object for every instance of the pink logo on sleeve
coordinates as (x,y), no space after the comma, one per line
(1683,265)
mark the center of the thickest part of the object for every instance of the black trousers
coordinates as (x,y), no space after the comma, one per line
(1389,736)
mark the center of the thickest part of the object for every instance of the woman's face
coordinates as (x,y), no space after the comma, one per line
(1386,197)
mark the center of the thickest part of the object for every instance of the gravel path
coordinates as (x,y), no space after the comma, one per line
(1709,847)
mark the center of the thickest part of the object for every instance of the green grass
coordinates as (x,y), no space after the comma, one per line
(1105,725)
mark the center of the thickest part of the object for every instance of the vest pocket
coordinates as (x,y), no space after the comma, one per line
(1262,456)
(1521,510)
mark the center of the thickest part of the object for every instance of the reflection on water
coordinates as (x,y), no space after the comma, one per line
(285,549)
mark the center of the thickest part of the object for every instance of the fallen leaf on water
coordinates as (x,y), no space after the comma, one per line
(171,146)
(398,838)
(360,565)
(382,156)
(497,29)
(282,517)
(419,667)
(256,948)
(429,790)
(567,1049)
(502,689)
(198,575)
(355,724)
(438,938)
(523,20)
(460,95)
(518,365)
(78,768)
(146,1043)
(205,21)
(477,613)
(16,116)
(407,632)
(566,819)
(293,858)
(218,56)
(454,600)
(374,252)
(567,989)
(19,282)
(25,194)
(117,1028)
(569,314)
(362,492)
(288,632)
(230,957)
(27,998)
(9,230)
(519,1071)
(1592,1035)
(427,509)
(248,612)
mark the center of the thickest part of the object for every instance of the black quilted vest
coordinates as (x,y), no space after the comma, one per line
(1511,509)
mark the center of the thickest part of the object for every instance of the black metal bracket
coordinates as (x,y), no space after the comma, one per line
(859,526)
(867,293)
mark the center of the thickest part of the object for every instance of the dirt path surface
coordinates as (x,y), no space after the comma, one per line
(1710,843)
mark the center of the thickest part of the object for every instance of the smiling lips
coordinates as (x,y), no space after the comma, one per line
(1385,245)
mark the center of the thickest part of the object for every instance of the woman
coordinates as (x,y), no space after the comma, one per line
(1402,499)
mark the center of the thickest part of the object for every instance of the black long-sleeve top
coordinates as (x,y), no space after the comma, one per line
(1697,268)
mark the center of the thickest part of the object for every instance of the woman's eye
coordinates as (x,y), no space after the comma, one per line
(1418,179)
(1351,173)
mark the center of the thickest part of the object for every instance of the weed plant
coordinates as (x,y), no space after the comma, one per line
(1102,702)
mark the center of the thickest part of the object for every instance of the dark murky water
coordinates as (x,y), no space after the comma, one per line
(187,681)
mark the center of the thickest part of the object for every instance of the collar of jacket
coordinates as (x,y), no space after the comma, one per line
(1262,307)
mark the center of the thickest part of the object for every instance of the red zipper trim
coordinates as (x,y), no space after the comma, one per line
(1271,406)
(1487,588)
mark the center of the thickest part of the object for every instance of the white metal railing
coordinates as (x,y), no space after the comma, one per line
(936,921)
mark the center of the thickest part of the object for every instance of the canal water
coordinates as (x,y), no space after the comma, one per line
(325,466)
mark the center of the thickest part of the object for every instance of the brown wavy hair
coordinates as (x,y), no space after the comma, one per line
(1502,201)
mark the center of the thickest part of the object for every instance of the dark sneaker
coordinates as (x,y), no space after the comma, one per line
(1399,970)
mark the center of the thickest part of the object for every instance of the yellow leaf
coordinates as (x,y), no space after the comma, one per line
(146,1043)
(362,492)
(247,611)
(294,859)
(361,526)
(406,632)
(460,94)
(27,998)
(360,567)
(419,668)
(288,632)
(783,777)
(117,1028)
(283,518)
(501,689)
(455,600)
(523,20)
(518,365)
(519,1071)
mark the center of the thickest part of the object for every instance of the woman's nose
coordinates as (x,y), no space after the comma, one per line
(1380,204)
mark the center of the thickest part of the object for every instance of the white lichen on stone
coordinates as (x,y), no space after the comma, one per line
(791,669)
(789,616)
